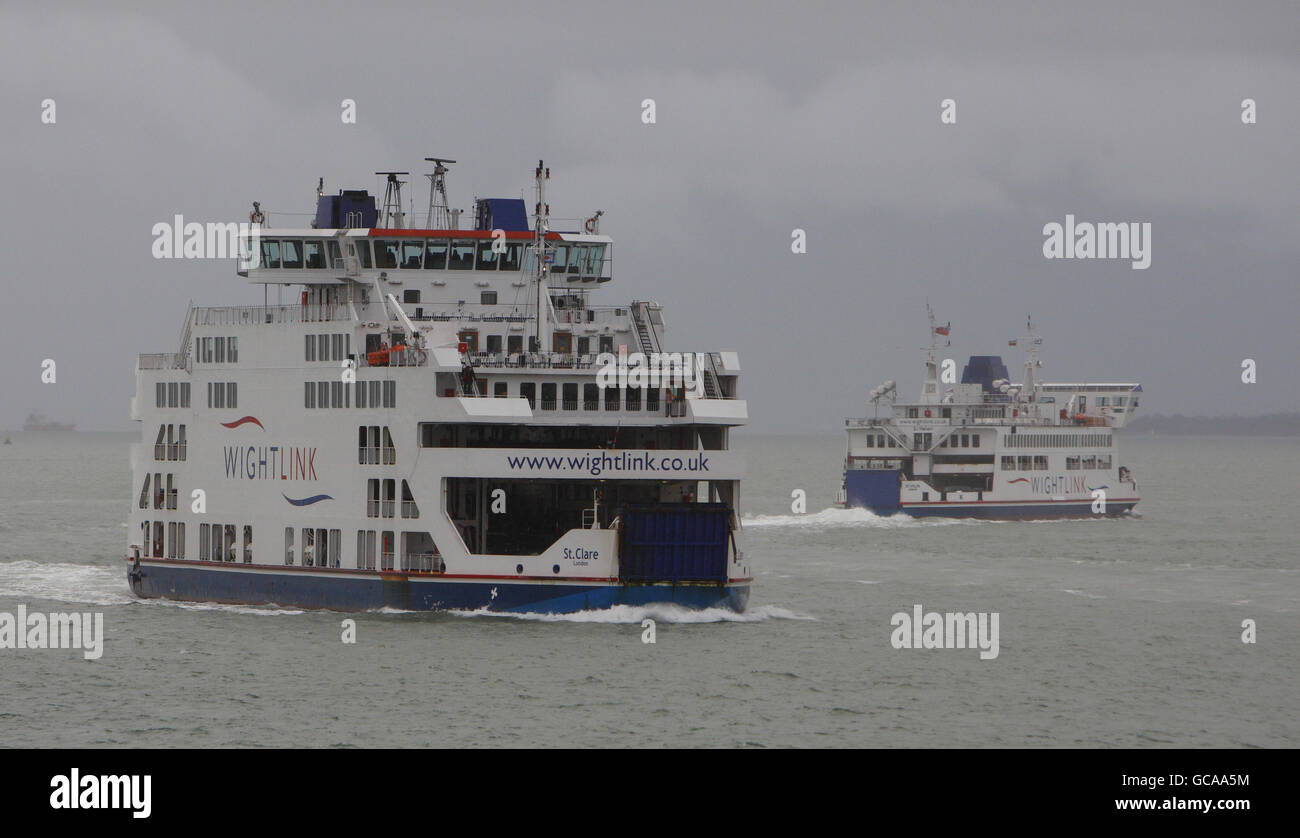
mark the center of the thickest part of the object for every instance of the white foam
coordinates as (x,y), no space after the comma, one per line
(65,582)
(852,517)
(660,612)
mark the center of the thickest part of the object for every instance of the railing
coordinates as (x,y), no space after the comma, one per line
(395,358)
(262,315)
(162,361)
(422,562)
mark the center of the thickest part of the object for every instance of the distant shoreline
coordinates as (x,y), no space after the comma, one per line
(1271,424)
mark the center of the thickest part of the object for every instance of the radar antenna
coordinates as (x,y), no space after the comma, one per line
(439,217)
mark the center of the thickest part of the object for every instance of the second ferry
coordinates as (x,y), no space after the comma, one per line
(988,447)
(442,418)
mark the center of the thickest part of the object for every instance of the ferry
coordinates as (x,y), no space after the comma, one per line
(40,422)
(441,417)
(986,447)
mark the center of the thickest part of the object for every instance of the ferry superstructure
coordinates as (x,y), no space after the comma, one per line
(442,419)
(990,448)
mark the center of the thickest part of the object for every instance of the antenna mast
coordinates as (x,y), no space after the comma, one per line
(439,217)
(542,219)
(393,217)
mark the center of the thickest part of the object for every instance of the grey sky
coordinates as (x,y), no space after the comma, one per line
(770,117)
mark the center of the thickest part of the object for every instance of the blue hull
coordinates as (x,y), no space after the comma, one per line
(352,591)
(1018,512)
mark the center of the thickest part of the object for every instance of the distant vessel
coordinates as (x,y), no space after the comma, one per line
(488,449)
(990,448)
(8,441)
(41,422)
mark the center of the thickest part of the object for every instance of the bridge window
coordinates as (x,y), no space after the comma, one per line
(613,398)
(1040,462)
(561,259)
(270,254)
(1103,462)
(1072,463)
(412,252)
(313,252)
(461,257)
(652,399)
(385,253)
(1090,462)
(514,344)
(578,259)
(435,254)
(1025,462)
(290,253)
(487,257)
(512,259)
(570,393)
(1008,463)
(528,390)
(363,252)
(634,399)
(548,396)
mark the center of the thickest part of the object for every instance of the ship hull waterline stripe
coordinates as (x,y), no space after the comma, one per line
(331,590)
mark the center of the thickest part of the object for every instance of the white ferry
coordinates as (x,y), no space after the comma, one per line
(990,448)
(441,419)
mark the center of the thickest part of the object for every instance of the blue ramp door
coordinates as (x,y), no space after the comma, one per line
(674,542)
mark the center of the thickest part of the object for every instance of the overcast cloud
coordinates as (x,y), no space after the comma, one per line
(823,117)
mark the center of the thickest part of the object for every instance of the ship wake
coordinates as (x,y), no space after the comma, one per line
(634,614)
(855,517)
